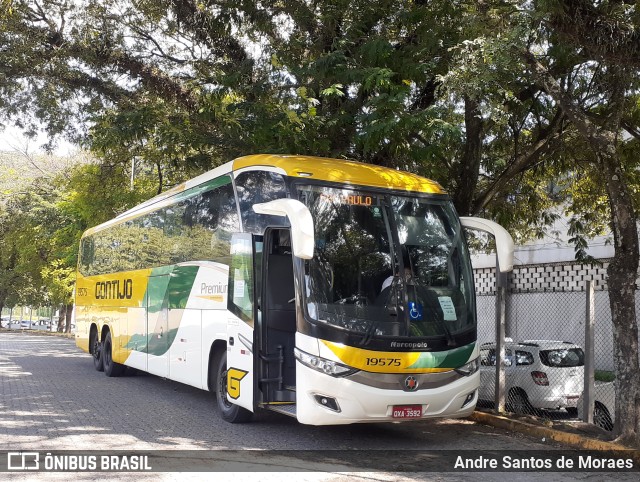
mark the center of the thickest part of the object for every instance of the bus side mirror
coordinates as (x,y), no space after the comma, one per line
(504,241)
(302,237)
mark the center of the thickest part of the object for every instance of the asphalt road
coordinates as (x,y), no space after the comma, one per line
(51,398)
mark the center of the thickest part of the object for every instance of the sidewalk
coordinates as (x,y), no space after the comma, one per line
(569,435)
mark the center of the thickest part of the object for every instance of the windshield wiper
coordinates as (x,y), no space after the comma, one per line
(450,340)
(391,309)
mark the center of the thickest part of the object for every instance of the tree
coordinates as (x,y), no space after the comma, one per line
(608,35)
(182,86)
(42,219)
(582,58)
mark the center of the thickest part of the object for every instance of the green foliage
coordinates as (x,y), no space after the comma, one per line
(59,280)
(604,376)
(42,219)
(182,87)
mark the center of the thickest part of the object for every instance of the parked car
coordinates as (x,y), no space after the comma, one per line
(539,374)
(25,324)
(604,405)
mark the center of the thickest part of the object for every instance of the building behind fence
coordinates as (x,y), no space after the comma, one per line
(547,301)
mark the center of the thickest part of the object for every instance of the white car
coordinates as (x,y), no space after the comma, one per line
(539,374)
(604,399)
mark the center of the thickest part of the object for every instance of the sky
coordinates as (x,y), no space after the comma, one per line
(12,139)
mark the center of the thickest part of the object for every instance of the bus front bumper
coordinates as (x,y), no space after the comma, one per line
(326,400)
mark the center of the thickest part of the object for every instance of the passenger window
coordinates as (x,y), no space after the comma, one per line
(486,359)
(255,187)
(524,358)
(87,252)
(197,226)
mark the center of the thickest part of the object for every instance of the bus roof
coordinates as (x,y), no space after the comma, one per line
(305,167)
(341,171)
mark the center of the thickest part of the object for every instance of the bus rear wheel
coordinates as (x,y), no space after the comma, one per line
(96,350)
(230,412)
(111,368)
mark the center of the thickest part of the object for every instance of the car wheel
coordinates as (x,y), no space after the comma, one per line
(229,411)
(95,347)
(601,417)
(111,368)
(518,402)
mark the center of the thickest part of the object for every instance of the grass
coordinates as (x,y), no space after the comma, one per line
(604,376)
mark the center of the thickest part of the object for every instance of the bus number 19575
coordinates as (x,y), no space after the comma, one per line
(383,362)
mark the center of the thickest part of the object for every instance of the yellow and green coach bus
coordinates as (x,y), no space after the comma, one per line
(329,290)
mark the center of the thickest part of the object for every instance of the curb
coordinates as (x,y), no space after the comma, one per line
(571,439)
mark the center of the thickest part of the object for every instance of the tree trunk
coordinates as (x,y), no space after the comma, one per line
(61,318)
(623,270)
(68,313)
(469,167)
(621,278)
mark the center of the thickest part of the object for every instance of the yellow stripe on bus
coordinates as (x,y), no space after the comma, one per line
(217,298)
(381,361)
(124,289)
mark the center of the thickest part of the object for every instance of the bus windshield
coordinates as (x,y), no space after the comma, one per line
(387,265)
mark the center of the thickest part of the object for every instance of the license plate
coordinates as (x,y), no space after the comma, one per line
(406,411)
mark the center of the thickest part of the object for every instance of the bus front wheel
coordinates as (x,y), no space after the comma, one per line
(111,368)
(229,411)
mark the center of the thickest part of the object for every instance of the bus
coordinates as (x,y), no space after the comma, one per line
(329,290)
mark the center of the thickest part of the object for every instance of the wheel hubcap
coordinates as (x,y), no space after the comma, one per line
(96,350)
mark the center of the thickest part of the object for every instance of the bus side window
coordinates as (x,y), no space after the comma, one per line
(255,187)
(218,213)
(87,251)
(241,277)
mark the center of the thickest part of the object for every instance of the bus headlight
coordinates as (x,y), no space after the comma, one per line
(323,365)
(469,368)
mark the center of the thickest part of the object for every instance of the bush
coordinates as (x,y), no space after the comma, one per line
(604,376)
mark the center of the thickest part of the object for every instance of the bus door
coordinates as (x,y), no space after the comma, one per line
(242,314)
(278,323)
(158,325)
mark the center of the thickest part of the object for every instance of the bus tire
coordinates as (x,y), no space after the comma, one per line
(111,368)
(230,412)
(95,347)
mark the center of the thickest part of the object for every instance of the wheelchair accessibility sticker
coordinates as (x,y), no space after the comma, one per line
(415,310)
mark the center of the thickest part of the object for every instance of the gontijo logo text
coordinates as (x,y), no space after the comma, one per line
(114,290)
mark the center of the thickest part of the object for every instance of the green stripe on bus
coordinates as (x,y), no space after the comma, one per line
(168,289)
(448,359)
(200,188)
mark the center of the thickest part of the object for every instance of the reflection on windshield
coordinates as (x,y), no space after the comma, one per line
(387,265)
